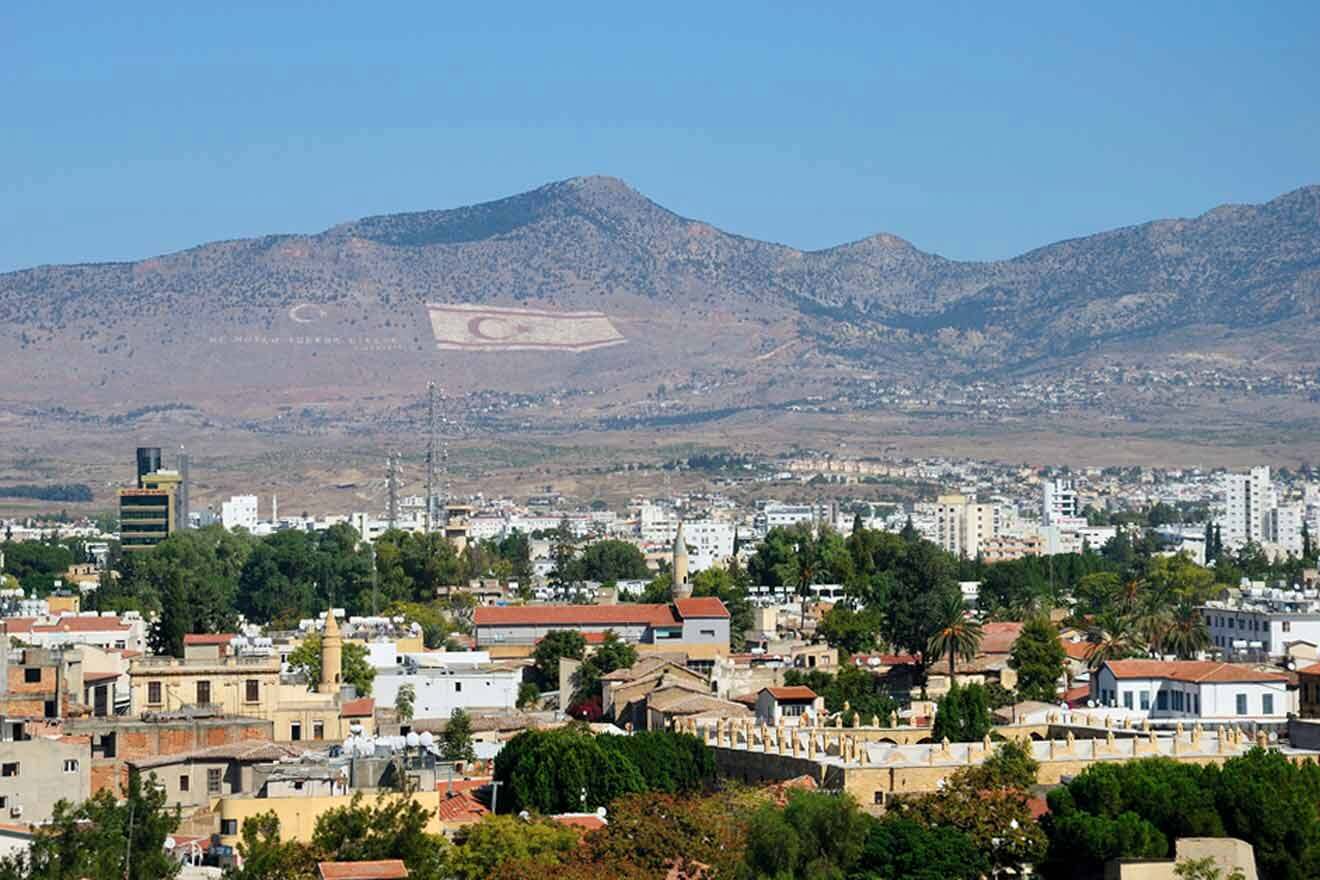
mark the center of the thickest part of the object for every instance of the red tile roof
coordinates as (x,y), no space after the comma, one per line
(1313,669)
(1190,670)
(362,707)
(208,638)
(707,606)
(94,677)
(462,807)
(796,692)
(388,869)
(575,615)
(1078,650)
(998,638)
(460,785)
(1077,696)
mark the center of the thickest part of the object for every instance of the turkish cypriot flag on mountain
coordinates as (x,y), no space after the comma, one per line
(495,328)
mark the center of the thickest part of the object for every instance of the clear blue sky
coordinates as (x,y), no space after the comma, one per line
(976,131)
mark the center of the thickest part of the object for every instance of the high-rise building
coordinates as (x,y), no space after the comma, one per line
(148,462)
(1248,498)
(148,514)
(1059,503)
(962,524)
(239,512)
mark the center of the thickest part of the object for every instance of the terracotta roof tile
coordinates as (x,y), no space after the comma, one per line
(796,692)
(362,707)
(462,807)
(584,821)
(707,606)
(208,638)
(388,869)
(1190,670)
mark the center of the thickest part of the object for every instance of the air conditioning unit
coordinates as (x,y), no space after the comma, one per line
(16,811)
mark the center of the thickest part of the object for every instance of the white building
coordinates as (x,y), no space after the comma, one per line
(1059,503)
(1260,631)
(239,511)
(107,632)
(443,682)
(1247,500)
(1182,689)
(1283,528)
(710,543)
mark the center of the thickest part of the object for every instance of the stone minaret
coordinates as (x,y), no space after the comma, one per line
(682,588)
(332,653)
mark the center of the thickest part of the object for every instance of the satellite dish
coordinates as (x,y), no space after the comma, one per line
(427,739)
(413,740)
(170,844)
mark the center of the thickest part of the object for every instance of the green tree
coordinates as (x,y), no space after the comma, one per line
(669,762)
(555,645)
(962,715)
(898,847)
(563,553)
(850,631)
(956,634)
(393,828)
(456,741)
(357,671)
(1010,766)
(483,847)
(1039,659)
(1111,637)
(528,694)
(561,771)
(1270,802)
(998,822)
(103,837)
(817,835)
(1187,634)
(613,653)
(404,701)
(267,857)
(1204,869)
(610,560)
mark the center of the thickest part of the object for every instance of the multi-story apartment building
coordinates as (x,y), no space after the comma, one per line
(962,525)
(1248,498)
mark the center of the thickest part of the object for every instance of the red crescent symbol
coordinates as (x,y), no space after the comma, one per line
(474,327)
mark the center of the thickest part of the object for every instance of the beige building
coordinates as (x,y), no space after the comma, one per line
(962,524)
(212,677)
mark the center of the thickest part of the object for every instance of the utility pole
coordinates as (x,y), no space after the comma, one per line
(494,795)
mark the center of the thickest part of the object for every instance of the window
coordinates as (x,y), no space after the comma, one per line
(213,780)
(295,731)
(708,633)
(318,730)
(184,781)
(203,693)
(1287,626)
(70,765)
(1242,704)
(153,693)
(32,675)
(4,801)
(1231,622)
(252,690)
(9,768)
(1196,704)
(229,827)
(458,687)
(1162,701)
(1267,704)
(1178,701)
(792,710)
(1127,699)
(1145,700)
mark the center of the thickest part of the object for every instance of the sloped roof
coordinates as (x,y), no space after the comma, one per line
(575,615)
(17,625)
(998,638)
(707,606)
(362,707)
(462,807)
(387,869)
(1209,671)
(208,638)
(249,750)
(796,692)
(584,821)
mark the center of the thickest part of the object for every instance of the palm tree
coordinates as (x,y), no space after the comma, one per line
(1112,637)
(1187,634)
(955,634)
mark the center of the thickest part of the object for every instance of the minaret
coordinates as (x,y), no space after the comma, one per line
(681,587)
(332,652)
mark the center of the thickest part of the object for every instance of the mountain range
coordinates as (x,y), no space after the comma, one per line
(256,328)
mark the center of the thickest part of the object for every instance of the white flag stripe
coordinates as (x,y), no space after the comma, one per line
(480,328)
